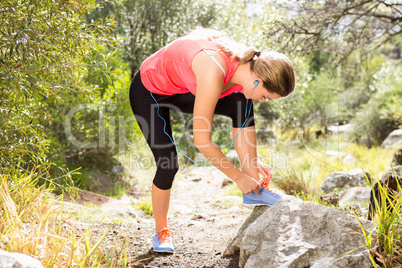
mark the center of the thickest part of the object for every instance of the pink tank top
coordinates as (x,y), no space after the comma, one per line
(168,71)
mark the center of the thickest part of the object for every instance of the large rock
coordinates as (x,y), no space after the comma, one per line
(339,129)
(390,171)
(294,233)
(342,179)
(354,195)
(17,260)
(397,158)
(393,139)
(233,246)
(349,159)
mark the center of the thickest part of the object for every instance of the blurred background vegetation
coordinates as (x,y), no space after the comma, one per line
(66,67)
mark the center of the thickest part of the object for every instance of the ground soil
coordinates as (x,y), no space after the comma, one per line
(202,217)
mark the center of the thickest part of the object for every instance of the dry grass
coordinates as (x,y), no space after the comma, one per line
(32,224)
(292,182)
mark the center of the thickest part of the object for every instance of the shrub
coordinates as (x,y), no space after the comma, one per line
(383,113)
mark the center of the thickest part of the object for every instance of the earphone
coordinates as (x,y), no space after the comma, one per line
(246,114)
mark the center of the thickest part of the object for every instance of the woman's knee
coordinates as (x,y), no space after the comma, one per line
(164,177)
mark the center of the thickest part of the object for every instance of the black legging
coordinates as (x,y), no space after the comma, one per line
(164,151)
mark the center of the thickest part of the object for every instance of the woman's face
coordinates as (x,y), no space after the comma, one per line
(259,93)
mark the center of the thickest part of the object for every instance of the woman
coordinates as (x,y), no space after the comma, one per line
(207,73)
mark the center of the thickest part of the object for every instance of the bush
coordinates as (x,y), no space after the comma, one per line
(383,113)
(45,53)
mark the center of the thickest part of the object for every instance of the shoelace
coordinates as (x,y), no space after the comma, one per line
(265,183)
(165,235)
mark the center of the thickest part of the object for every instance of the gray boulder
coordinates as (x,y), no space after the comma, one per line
(394,138)
(354,195)
(118,169)
(396,169)
(233,246)
(294,233)
(349,159)
(340,129)
(342,179)
(17,260)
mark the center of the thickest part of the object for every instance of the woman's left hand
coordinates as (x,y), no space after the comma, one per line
(264,170)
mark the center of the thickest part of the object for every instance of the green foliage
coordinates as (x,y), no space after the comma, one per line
(88,130)
(292,182)
(148,25)
(45,52)
(382,114)
(311,104)
(233,190)
(145,205)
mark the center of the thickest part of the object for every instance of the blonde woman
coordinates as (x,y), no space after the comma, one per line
(207,73)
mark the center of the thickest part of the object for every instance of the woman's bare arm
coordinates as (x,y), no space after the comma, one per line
(209,88)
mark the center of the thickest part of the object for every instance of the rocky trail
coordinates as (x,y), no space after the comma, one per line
(202,218)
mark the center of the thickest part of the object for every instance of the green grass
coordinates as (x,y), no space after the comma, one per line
(311,162)
(119,189)
(232,189)
(145,205)
(388,230)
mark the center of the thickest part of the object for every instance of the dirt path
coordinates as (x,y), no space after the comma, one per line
(201,217)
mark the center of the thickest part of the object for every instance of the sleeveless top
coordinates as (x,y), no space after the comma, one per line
(168,71)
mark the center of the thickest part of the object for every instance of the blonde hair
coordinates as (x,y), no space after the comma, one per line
(273,68)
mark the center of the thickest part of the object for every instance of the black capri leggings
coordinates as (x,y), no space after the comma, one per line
(164,151)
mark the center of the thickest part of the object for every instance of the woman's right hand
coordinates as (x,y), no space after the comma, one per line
(248,185)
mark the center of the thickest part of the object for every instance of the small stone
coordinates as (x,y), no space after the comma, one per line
(198,217)
(354,195)
(330,199)
(393,139)
(293,143)
(117,169)
(348,159)
(226,182)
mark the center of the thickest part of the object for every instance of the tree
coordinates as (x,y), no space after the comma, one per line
(338,27)
(148,25)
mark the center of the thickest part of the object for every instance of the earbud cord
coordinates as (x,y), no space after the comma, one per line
(246,114)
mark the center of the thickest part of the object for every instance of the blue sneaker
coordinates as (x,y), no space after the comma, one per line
(265,197)
(162,241)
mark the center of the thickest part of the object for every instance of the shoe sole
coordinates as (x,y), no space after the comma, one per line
(259,204)
(163,251)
